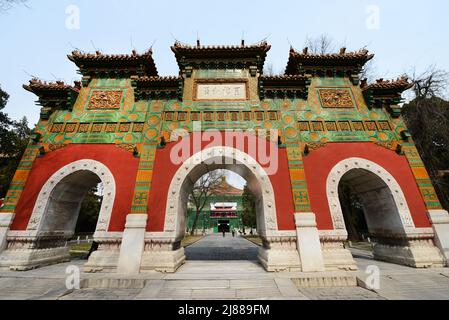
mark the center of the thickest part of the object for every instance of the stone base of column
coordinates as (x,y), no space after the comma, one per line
(162,253)
(5,222)
(440,225)
(162,261)
(279,254)
(102,261)
(105,259)
(413,251)
(30,253)
(335,256)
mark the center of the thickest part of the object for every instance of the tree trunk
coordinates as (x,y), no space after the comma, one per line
(195,221)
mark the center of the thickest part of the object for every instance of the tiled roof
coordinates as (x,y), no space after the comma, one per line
(262,47)
(98,59)
(284,86)
(149,80)
(98,56)
(298,60)
(400,84)
(38,86)
(225,189)
(221,56)
(285,78)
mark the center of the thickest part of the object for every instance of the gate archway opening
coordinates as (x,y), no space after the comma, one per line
(65,201)
(221,212)
(55,214)
(217,243)
(368,207)
(72,213)
(389,222)
(208,160)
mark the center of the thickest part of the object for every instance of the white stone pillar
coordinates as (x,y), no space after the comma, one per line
(5,222)
(133,243)
(440,224)
(308,242)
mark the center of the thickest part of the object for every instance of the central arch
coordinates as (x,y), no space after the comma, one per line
(220,158)
(163,251)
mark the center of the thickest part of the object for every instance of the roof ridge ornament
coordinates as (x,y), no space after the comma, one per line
(400,83)
(320,63)
(114,65)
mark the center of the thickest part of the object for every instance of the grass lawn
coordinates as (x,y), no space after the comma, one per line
(80,250)
(189,240)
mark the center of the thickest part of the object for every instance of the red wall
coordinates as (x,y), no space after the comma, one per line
(164,170)
(121,163)
(123,166)
(320,162)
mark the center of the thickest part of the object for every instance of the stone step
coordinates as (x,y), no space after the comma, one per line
(112,283)
(326,280)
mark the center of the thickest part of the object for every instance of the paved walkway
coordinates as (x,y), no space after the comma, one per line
(403,283)
(234,278)
(216,247)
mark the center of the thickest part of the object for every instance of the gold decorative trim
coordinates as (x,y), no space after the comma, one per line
(54,146)
(336,98)
(316,145)
(127,147)
(390,145)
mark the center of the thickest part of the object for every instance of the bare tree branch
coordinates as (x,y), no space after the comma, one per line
(369,72)
(202,191)
(427,118)
(433,82)
(6,5)
(320,45)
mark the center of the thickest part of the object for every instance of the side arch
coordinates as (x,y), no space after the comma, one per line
(345,166)
(37,218)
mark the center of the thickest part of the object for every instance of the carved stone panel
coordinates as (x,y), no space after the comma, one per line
(336,98)
(221,91)
(105,99)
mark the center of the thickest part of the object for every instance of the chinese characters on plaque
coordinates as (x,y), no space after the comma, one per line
(220,91)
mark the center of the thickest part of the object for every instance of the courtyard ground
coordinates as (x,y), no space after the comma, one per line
(222,268)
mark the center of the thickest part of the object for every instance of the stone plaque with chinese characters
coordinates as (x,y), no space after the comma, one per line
(221,91)
(336,98)
(108,99)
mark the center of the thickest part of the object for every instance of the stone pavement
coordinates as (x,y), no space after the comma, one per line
(234,278)
(216,247)
(404,283)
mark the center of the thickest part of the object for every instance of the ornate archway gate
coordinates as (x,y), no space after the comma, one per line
(293,137)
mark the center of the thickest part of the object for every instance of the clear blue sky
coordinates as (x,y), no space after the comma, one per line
(35,40)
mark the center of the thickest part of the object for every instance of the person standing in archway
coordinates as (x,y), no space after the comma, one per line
(224,232)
